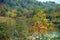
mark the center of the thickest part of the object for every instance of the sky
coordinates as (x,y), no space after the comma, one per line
(57,1)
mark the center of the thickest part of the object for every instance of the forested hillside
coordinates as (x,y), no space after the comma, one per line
(29,20)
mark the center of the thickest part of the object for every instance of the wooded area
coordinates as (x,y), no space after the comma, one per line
(29,20)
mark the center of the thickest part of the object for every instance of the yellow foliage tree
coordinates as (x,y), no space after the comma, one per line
(11,13)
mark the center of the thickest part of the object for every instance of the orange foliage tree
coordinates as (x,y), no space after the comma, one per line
(40,24)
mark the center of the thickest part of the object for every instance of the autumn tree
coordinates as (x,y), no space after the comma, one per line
(11,13)
(40,24)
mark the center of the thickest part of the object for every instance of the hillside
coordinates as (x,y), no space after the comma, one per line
(29,19)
